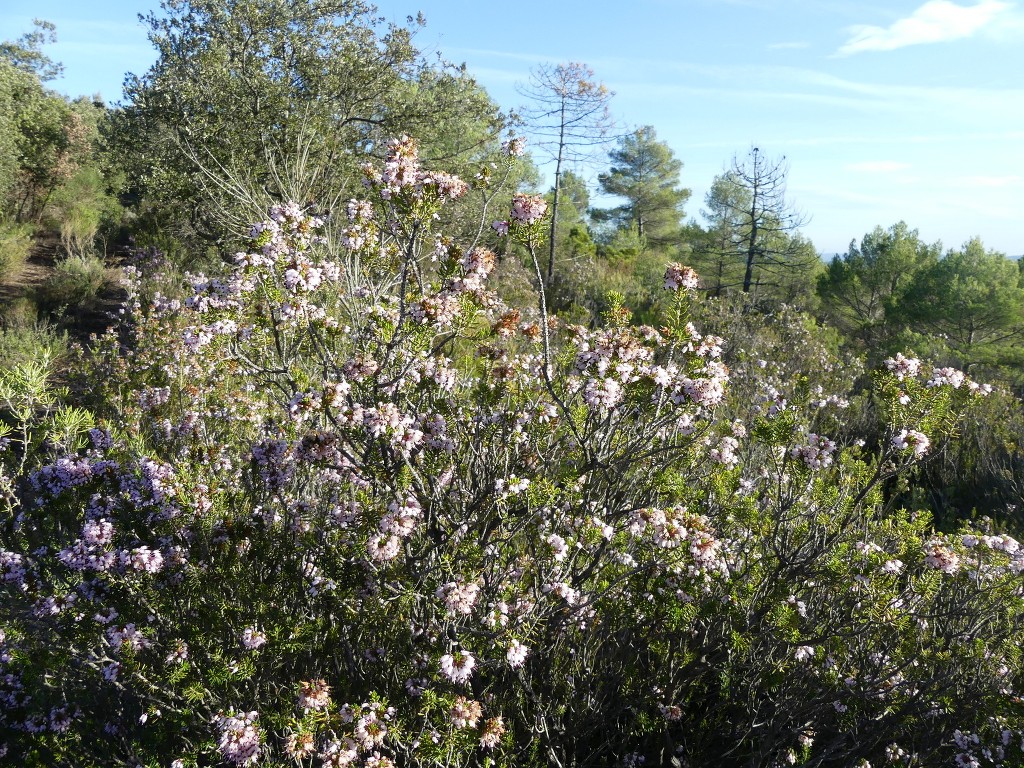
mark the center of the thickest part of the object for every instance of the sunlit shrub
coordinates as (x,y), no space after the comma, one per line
(341,518)
(15,245)
(75,282)
(24,338)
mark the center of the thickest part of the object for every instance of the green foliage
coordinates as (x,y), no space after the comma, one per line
(753,239)
(863,290)
(52,139)
(82,208)
(980,475)
(830,618)
(15,245)
(24,338)
(973,299)
(570,287)
(646,173)
(320,497)
(894,292)
(257,100)
(26,53)
(43,138)
(75,282)
(34,412)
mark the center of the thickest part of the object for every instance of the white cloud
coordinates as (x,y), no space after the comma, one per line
(991,182)
(936,21)
(878,166)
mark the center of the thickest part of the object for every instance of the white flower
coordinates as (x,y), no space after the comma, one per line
(804,653)
(911,438)
(252,638)
(516,654)
(459,667)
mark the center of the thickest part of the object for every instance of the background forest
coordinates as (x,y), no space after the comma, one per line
(136,214)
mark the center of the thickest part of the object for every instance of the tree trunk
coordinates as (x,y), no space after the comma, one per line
(554,201)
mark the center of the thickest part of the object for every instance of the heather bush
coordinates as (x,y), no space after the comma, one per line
(343,506)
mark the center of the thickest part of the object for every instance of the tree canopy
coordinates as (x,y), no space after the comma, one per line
(753,224)
(972,298)
(864,288)
(645,172)
(284,98)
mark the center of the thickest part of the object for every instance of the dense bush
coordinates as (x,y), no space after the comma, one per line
(334,516)
(15,245)
(75,282)
(25,339)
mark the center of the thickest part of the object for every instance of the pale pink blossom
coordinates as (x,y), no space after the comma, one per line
(911,438)
(679,276)
(903,367)
(494,729)
(240,737)
(528,209)
(252,638)
(465,713)
(458,667)
(804,653)
(516,654)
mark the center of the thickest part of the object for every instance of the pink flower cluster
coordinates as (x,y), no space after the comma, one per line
(240,737)
(678,276)
(516,654)
(314,695)
(514,147)
(940,556)
(676,527)
(465,713)
(950,376)
(816,453)
(528,209)
(458,597)
(909,367)
(442,308)
(402,176)
(252,638)
(458,667)
(399,523)
(903,367)
(911,439)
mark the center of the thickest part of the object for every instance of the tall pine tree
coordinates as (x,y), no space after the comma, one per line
(646,173)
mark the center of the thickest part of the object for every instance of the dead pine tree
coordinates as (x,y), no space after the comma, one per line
(568,116)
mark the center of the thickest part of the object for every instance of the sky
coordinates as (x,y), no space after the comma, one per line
(884,111)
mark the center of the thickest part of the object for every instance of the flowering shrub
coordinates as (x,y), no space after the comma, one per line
(339,516)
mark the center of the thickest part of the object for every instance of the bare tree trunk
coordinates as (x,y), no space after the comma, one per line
(554,201)
(748,276)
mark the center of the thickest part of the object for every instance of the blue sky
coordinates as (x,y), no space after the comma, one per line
(884,110)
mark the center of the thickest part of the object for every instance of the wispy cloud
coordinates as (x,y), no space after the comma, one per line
(788,46)
(878,166)
(774,84)
(992,182)
(937,21)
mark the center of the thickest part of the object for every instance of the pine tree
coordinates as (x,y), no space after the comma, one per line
(646,173)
